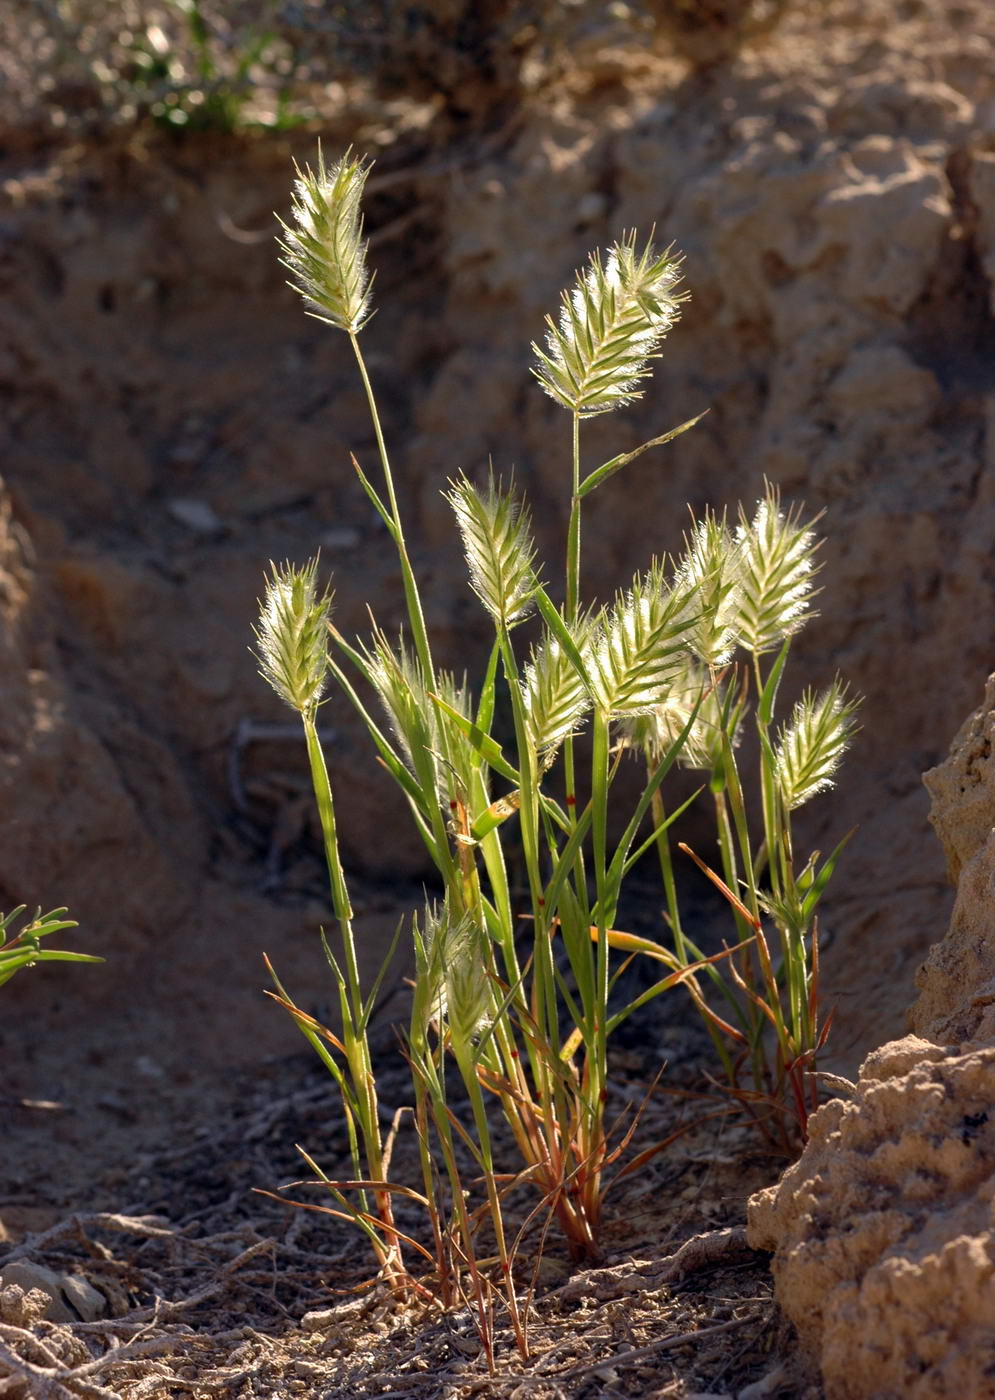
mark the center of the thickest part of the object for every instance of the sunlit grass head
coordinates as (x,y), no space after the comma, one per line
(811,745)
(292,635)
(778,570)
(611,324)
(323,246)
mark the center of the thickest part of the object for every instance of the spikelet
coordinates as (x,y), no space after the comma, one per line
(497,538)
(812,743)
(399,683)
(655,733)
(639,645)
(453,985)
(554,695)
(324,249)
(291,635)
(611,325)
(424,733)
(777,574)
(710,564)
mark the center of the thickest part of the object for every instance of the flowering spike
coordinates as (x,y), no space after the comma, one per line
(554,695)
(611,324)
(451,964)
(640,645)
(777,576)
(655,732)
(812,743)
(324,250)
(710,564)
(497,539)
(291,635)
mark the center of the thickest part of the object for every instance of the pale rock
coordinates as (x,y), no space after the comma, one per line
(32,1291)
(957,981)
(834,200)
(962,787)
(883,1232)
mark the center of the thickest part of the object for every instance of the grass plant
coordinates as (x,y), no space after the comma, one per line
(520,993)
(24,949)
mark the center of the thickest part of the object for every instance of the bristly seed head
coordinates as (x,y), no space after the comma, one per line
(554,695)
(812,743)
(711,565)
(324,250)
(451,964)
(497,538)
(692,693)
(639,644)
(611,324)
(292,635)
(777,574)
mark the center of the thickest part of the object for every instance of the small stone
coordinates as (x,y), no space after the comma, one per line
(319,1320)
(21,1309)
(770,1384)
(197,516)
(87,1301)
(32,1290)
(23,1279)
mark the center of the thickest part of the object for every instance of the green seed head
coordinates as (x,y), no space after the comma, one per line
(812,743)
(323,248)
(777,575)
(711,566)
(291,635)
(611,324)
(639,644)
(497,538)
(453,987)
(693,693)
(554,695)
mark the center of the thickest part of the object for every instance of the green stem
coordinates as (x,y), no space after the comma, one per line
(596,1067)
(573,530)
(428,1182)
(354,1022)
(734,788)
(468,1072)
(478,1284)
(768,788)
(667,869)
(412,597)
(336,875)
(546,1007)
(572,610)
(727,850)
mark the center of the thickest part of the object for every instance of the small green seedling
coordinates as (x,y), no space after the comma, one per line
(24,949)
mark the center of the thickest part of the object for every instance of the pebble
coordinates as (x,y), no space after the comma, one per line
(69,1297)
(197,516)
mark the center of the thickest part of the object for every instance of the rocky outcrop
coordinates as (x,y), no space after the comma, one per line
(957,982)
(69,784)
(883,1232)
